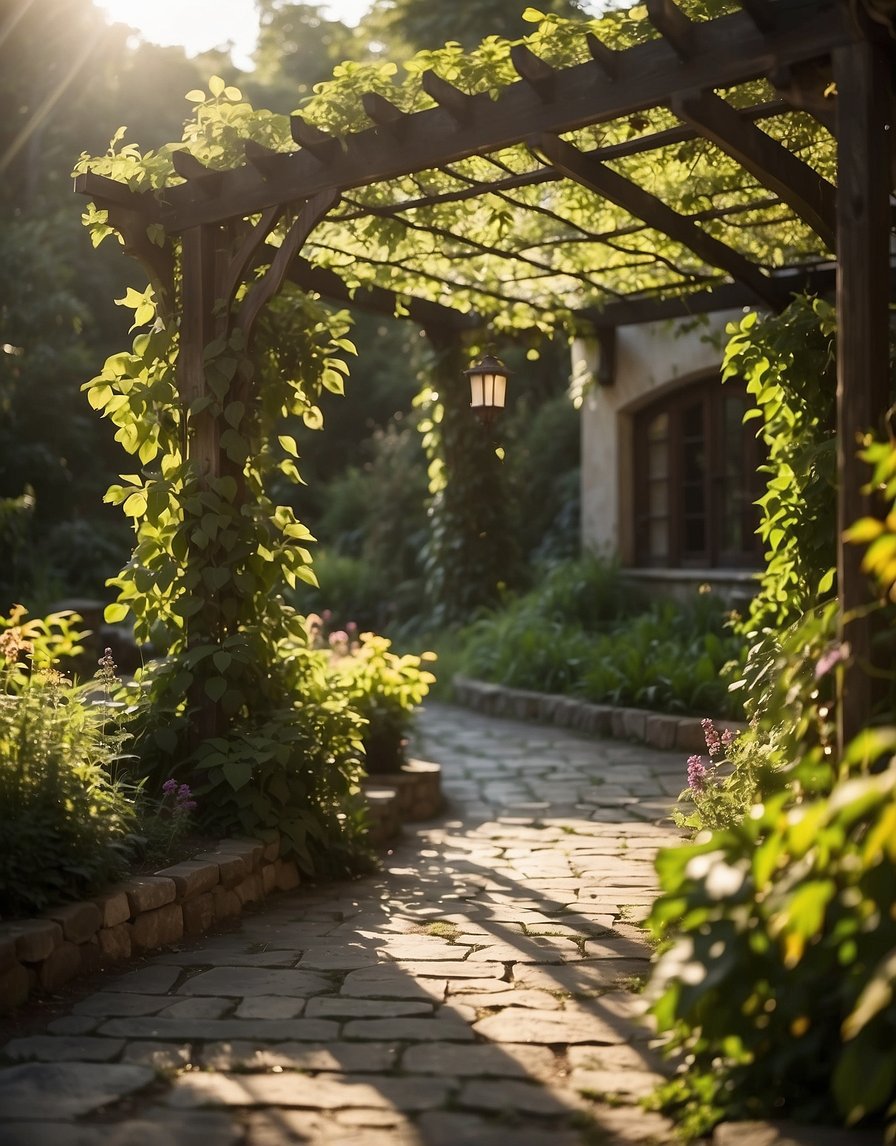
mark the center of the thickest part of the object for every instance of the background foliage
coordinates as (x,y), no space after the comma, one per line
(778,975)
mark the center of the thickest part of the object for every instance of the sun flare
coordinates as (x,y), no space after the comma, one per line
(195,24)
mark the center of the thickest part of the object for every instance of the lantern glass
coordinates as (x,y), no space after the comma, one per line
(488,386)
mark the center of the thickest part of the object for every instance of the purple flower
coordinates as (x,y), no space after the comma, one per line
(696,774)
(829,659)
(183,792)
(169,787)
(711,736)
(728,738)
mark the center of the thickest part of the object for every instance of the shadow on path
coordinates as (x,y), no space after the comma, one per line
(482,985)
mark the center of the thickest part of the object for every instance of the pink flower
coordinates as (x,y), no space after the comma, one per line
(830,659)
(711,736)
(696,773)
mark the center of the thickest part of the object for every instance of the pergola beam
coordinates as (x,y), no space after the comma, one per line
(379,300)
(820,280)
(725,52)
(811,196)
(597,177)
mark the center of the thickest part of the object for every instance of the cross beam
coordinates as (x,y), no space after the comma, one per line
(722,52)
(610,185)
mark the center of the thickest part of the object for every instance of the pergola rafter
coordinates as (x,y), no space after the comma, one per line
(226,218)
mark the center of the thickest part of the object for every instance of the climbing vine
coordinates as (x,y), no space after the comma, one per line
(236,696)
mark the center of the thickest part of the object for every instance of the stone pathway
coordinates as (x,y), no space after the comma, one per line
(482,986)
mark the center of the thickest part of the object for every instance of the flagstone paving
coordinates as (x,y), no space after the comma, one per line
(482,985)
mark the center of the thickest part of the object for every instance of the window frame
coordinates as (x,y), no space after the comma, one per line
(715,494)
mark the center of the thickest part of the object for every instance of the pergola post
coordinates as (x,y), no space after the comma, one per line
(863,225)
(202,444)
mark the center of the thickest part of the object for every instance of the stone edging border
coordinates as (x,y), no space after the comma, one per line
(659,730)
(183,901)
(139,914)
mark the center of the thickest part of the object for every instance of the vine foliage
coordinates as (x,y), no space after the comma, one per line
(214,552)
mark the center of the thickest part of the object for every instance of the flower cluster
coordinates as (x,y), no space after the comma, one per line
(183,801)
(107,674)
(696,773)
(831,658)
(717,745)
(340,642)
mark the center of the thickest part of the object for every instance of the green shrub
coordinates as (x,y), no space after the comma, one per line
(384,688)
(780,981)
(67,824)
(585,632)
(39,641)
(671,658)
(292,768)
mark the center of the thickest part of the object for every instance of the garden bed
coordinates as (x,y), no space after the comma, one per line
(149,911)
(659,730)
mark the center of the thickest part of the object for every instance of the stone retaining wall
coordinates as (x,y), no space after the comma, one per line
(183,901)
(140,914)
(680,733)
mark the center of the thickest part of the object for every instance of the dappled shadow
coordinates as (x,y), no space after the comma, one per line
(477,986)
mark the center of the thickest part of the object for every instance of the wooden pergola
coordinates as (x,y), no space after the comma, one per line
(830,59)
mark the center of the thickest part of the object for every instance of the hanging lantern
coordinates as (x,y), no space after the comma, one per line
(488,386)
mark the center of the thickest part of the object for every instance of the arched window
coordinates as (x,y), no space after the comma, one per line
(696,479)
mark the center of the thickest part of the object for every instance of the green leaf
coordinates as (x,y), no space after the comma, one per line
(864,530)
(288,443)
(237,773)
(115,612)
(135,505)
(215,687)
(98,396)
(222,661)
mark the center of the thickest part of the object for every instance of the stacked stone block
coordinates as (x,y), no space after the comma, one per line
(142,914)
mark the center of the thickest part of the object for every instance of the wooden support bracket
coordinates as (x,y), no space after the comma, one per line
(536,72)
(811,196)
(308,136)
(673,25)
(246,253)
(607,59)
(264,290)
(206,181)
(457,103)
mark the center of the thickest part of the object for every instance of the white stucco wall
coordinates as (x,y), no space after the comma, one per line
(650,358)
